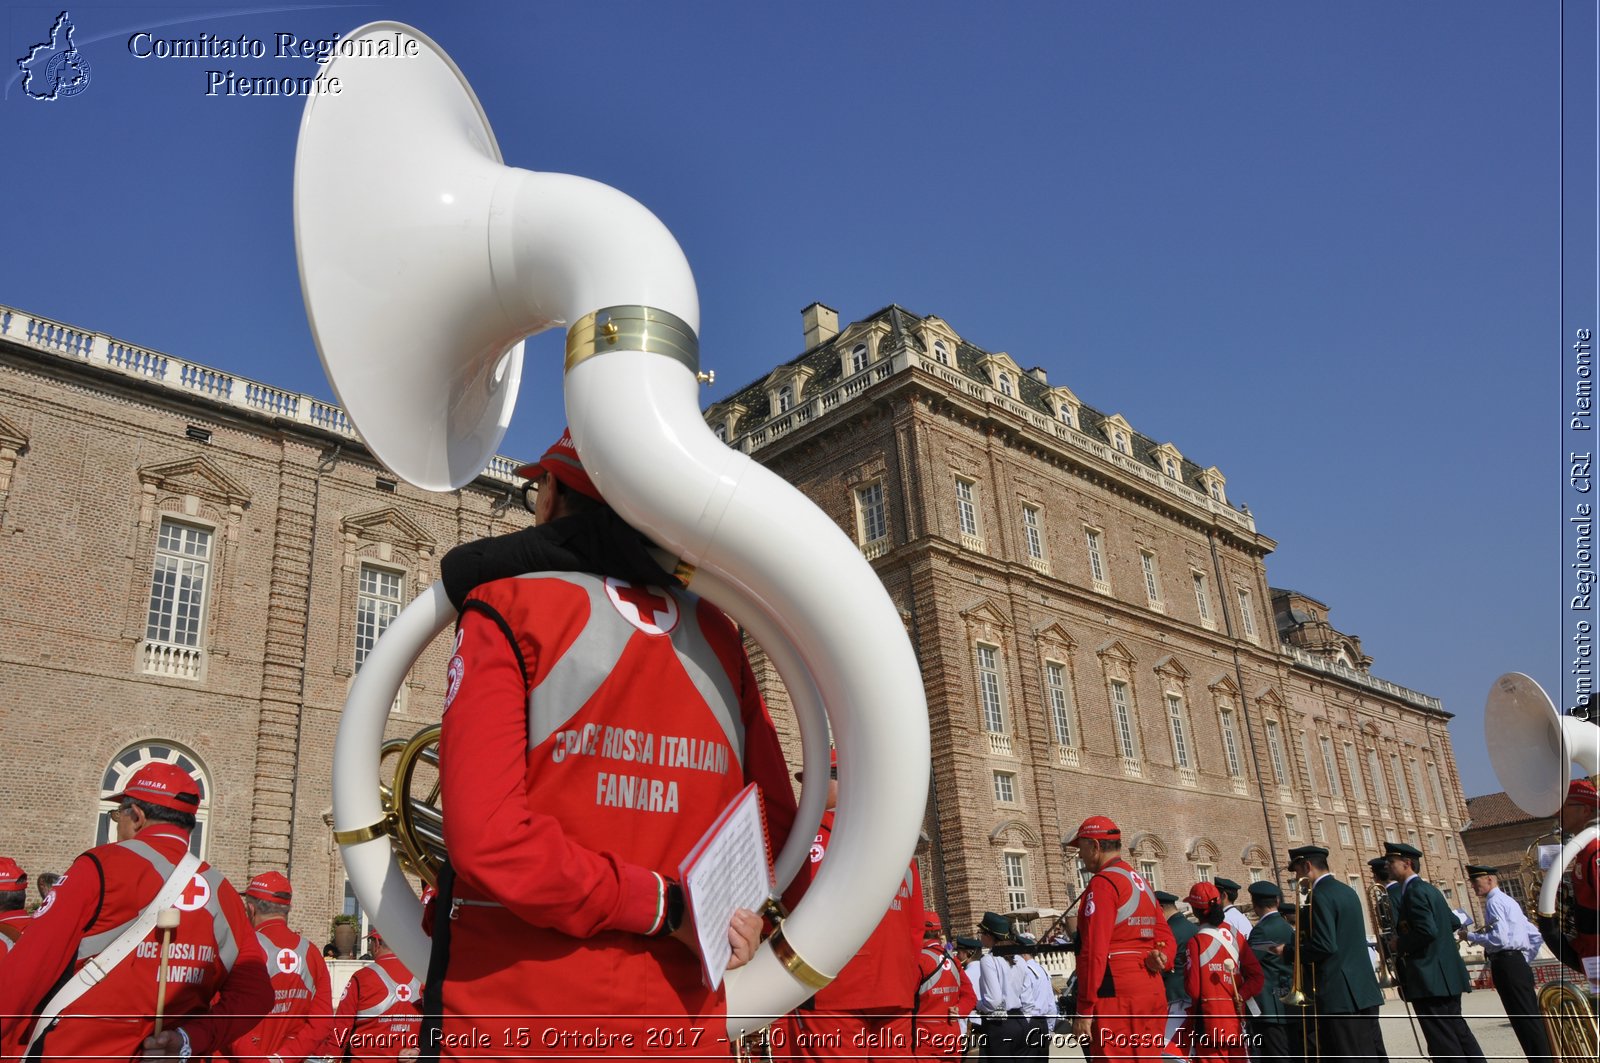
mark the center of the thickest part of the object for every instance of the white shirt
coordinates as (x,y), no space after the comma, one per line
(999,985)
(1039,996)
(1239,921)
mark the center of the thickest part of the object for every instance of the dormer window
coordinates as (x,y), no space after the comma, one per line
(1005,386)
(858,358)
(722,433)
(1065,413)
(1172,469)
(1120,441)
(785,398)
(1216,492)
(941,353)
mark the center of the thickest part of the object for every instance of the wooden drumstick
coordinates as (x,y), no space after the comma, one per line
(167,921)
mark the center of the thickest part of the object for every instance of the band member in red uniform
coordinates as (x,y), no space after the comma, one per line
(377,1016)
(944,995)
(217,986)
(594,727)
(14,914)
(866,1011)
(1581,810)
(1123,947)
(302,1010)
(1221,974)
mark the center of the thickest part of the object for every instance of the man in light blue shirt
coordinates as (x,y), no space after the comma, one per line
(1509,940)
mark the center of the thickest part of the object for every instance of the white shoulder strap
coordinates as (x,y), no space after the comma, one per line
(97,967)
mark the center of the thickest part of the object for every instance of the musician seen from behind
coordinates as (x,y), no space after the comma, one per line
(1510,942)
(1336,971)
(1581,810)
(944,996)
(1123,947)
(1430,970)
(377,1016)
(14,914)
(83,982)
(597,720)
(1002,1032)
(302,1010)
(1038,1003)
(1183,928)
(1220,974)
(1268,1022)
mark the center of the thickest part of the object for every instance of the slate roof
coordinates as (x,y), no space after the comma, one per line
(826,365)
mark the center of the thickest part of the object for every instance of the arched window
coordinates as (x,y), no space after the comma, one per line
(1121,442)
(131,760)
(1065,413)
(1005,386)
(785,398)
(941,353)
(858,358)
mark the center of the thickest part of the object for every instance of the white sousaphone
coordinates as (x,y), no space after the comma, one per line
(424,262)
(1530,747)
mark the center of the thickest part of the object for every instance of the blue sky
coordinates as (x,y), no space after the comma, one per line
(1316,245)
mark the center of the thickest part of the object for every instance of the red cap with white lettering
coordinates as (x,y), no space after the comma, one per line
(1096,828)
(160,783)
(12,877)
(270,886)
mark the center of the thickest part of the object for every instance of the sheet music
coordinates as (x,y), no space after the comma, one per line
(726,871)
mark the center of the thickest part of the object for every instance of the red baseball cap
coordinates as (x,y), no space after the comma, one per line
(561,461)
(160,783)
(12,877)
(1582,792)
(1202,895)
(1096,828)
(930,921)
(270,886)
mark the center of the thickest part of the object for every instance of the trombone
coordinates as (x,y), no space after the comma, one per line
(1297,997)
(1381,906)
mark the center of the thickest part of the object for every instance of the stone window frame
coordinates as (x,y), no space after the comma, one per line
(1094,553)
(1202,599)
(194,491)
(969,523)
(388,538)
(998,671)
(862,508)
(1173,679)
(1247,613)
(376,566)
(1226,702)
(1005,787)
(1149,566)
(1033,540)
(1016,895)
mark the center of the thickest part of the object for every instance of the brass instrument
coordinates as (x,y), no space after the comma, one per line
(1531,877)
(416,825)
(1296,997)
(1569,1008)
(1381,906)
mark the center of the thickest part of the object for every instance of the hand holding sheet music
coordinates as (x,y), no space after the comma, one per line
(729,868)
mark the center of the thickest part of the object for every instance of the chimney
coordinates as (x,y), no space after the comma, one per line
(820,322)
(1038,373)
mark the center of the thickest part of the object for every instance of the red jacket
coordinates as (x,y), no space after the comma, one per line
(1207,979)
(593,731)
(1586,892)
(214,954)
(377,1017)
(883,972)
(945,997)
(1119,923)
(302,1010)
(13,923)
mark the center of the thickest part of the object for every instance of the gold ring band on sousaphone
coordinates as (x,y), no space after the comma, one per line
(795,964)
(632,328)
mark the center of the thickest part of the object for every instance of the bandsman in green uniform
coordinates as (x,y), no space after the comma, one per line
(1269,1023)
(1431,972)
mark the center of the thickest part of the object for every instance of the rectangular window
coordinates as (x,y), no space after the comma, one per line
(1124,720)
(1083,873)
(1202,872)
(1380,788)
(1433,843)
(1247,614)
(1416,785)
(1055,682)
(1004,790)
(1180,740)
(994,719)
(1344,834)
(872,513)
(966,507)
(1016,881)
(1275,749)
(1450,845)
(1097,566)
(1411,836)
(178,584)
(1357,786)
(1292,822)
(1305,758)
(1152,589)
(1202,599)
(1230,744)
(1367,836)
(1400,781)
(1150,870)
(1030,533)
(1330,764)
(1438,790)
(377,604)
(1257,874)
